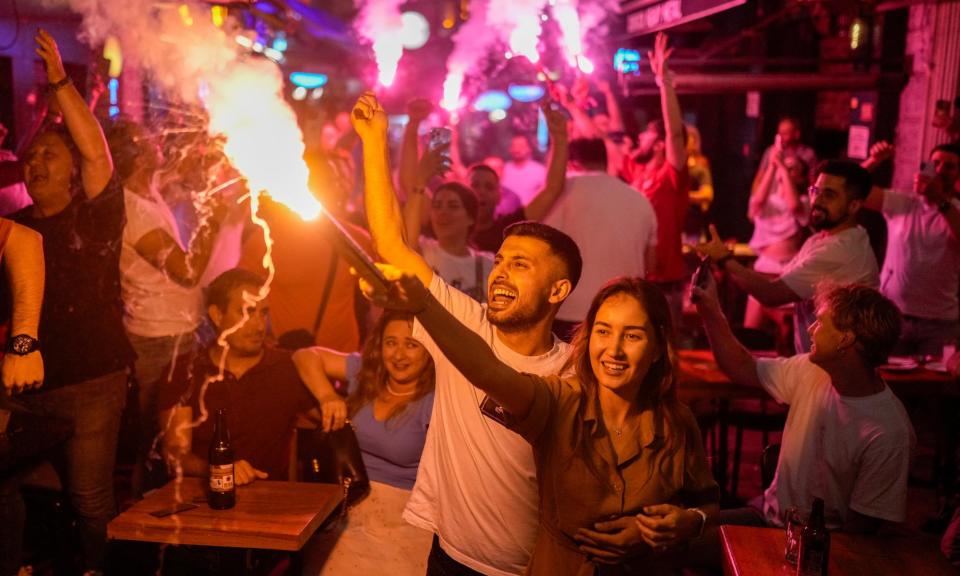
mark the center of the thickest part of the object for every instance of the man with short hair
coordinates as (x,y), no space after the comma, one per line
(484,516)
(260,388)
(921,271)
(848,438)
(521,173)
(615,228)
(839,252)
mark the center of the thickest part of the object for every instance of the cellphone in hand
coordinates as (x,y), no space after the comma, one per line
(440,137)
(701,278)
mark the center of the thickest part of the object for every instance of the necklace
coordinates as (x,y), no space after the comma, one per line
(401,394)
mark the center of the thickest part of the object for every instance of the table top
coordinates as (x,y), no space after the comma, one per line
(700,378)
(749,550)
(270,515)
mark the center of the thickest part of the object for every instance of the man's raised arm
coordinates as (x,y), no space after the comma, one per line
(380,199)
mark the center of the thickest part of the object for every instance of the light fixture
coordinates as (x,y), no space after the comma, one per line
(415,30)
(492,100)
(525,92)
(299,93)
(308,80)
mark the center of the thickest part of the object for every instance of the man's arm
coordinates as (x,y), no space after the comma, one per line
(879,153)
(543,202)
(24,266)
(732,357)
(669,104)
(613,107)
(96,165)
(383,209)
(770,293)
(177,442)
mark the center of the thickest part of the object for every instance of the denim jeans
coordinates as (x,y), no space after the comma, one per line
(85,462)
(440,564)
(153,355)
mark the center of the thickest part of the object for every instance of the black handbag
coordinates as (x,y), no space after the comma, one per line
(333,458)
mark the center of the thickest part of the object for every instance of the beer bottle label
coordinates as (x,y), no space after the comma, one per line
(221,477)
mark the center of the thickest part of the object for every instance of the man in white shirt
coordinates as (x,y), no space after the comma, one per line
(921,272)
(613,224)
(522,174)
(847,438)
(476,487)
(838,253)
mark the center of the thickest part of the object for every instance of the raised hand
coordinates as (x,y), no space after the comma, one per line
(50,54)
(418,109)
(405,292)
(659,57)
(714,248)
(556,122)
(881,152)
(368,118)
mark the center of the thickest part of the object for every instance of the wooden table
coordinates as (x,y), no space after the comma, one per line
(749,551)
(268,515)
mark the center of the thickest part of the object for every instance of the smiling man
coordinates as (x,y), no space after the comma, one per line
(848,438)
(838,252)
(476,488)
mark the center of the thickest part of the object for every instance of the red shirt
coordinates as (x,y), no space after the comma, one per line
(667,191)
(261,405)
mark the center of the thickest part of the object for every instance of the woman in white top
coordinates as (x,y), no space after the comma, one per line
(452,213)
(158,275)
(777,209)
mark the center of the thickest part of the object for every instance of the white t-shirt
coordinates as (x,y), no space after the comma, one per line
(525,180)
(461,272)
(477,483)
(854,452)
(613,224)
(842,258)
(922,269)
(153,304)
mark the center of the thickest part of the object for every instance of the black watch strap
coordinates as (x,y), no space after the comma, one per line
(22,344)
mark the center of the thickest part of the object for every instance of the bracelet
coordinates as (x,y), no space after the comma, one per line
(55,86)
(721,262)
(703,519)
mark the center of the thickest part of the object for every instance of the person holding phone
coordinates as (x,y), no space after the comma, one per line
(921,271)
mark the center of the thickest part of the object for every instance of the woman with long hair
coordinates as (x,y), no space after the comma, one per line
(620,465)
(390,396)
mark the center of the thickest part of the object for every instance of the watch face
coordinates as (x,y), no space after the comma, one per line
(22,344)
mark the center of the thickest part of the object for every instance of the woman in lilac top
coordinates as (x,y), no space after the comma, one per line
(390,396)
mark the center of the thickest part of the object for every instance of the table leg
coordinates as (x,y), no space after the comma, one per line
(723,424)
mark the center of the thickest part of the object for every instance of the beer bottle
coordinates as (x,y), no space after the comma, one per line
(814,557)
(223,491)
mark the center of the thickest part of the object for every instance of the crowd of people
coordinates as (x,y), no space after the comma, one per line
(517,383)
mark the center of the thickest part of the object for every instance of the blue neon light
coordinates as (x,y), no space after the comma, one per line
(280,44)
(308,80)
(525,92)
(492,100)
(627,61)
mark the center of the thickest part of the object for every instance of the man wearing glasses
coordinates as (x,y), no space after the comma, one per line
(837,253)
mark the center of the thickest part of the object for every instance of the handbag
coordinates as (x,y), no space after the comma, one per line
(333,458)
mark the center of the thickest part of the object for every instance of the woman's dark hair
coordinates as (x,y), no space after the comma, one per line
(659,386)
(124,138)
(372,379)
(467,197)
(60,131)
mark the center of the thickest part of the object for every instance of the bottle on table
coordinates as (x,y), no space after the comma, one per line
(223,490)
(814,556)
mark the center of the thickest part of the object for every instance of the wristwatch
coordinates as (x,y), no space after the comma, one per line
(22,344)
(54,86)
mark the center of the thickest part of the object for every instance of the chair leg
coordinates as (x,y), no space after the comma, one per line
(735,473)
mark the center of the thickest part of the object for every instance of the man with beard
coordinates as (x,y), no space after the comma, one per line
(838,253)
(921,272)
(476,488)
